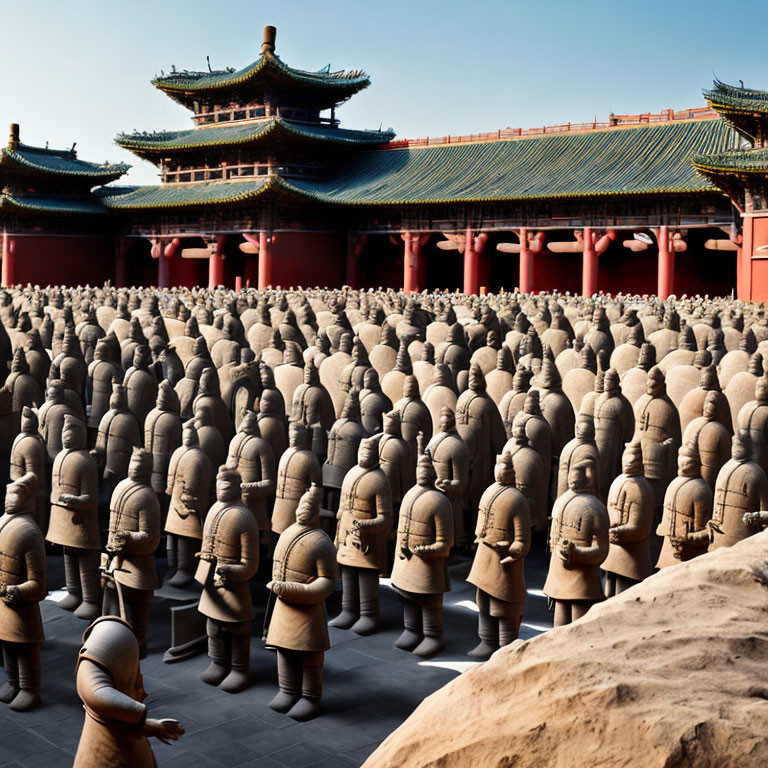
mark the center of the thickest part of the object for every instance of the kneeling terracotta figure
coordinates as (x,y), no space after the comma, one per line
(303,575)
(578,540)
(503,538)
(116,730)
(22,587)
(228,561)
(419,575)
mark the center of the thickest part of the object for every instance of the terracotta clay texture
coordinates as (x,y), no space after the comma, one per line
(303,574)
(116,730)
(229,558)
(22,587)
(503,538)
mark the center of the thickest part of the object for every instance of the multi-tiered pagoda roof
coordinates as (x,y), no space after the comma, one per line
(740,171)
(38,181)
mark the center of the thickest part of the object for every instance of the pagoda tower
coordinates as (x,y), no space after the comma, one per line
(743,175)
(256,131)
(46,194)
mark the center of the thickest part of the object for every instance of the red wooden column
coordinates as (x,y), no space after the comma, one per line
(9,260)
(216,263)
(410,264)
(588,263)
(164,262)
(666,277)
(471,265)
(526,264)
(744,284)
(265,259)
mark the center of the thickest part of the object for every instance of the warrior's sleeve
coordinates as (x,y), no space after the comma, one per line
(598,551)
(94,687)
(319,588)
(636,528)
(383,517)
(145,541)
(88,483)
(249,557)
(266,486)
(762,491)
(521,528)
(172,467)
(702,513)
(315,473)
(33,590)
(443,533)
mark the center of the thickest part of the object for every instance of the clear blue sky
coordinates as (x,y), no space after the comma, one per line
(80,70)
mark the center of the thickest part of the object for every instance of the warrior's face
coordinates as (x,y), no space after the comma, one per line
(447,420)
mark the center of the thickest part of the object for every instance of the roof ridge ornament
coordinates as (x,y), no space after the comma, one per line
(268,40)
(13,136)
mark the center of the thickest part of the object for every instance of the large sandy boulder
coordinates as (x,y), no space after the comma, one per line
(670,674)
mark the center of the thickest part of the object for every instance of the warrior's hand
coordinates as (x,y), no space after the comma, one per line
(442,483)
(66,498)
(515,550)
(420,550)
(274,587)
(187,498)
(614,535)
(754,518)
(119,540)
(221,576)
(11,594)
(565,551)
(166,730)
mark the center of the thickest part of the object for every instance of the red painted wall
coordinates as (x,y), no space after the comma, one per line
(52,260)
(307,259)
(557,271)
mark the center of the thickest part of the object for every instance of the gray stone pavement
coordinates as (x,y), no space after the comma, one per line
(370,688)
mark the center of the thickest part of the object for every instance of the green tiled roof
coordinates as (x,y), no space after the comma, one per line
(651,159)
(735,161)
(730,98)
(59,163)
(647,160)
(276,129)
(50,205)
(184,195)
(267,72)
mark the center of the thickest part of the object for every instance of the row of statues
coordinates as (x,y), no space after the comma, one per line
(332,438)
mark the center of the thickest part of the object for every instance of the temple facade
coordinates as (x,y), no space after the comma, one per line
(267,188)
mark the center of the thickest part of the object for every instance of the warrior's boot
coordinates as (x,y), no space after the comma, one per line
(413,634)
(238,678)
(72,580)
(28,696)
(289,674)
(350,599)
(90,608)
(172,556)
(509,628)
(307,706)
(432,620)
(218,647)
(184,576)
(488,632)
(10,687)
(368,622)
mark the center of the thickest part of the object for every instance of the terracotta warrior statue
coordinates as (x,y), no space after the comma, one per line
(741,497)
(162,435)
(254,459)
(614,427)
(51,418)
(109,683)
(420,575)
(451,459)
(118,435)
(74,521)
(28,455)
(364,523)
(480,426)
(529,473)
(394,458)
(711,438)
(297,470)
(141,385)
(503,538)
(578,540)
(102,372)
(229,559)
(190,475)
(631,504)
(753,417)
(583,446)
(134,533)
(657,426)
(22,587)
(687,510)
(303,575)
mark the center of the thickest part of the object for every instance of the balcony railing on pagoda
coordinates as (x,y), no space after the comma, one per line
(236,172)
(665,116)
(237,113)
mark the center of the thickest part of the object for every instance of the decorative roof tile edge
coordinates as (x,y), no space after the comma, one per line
(111,171)
(60,205)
